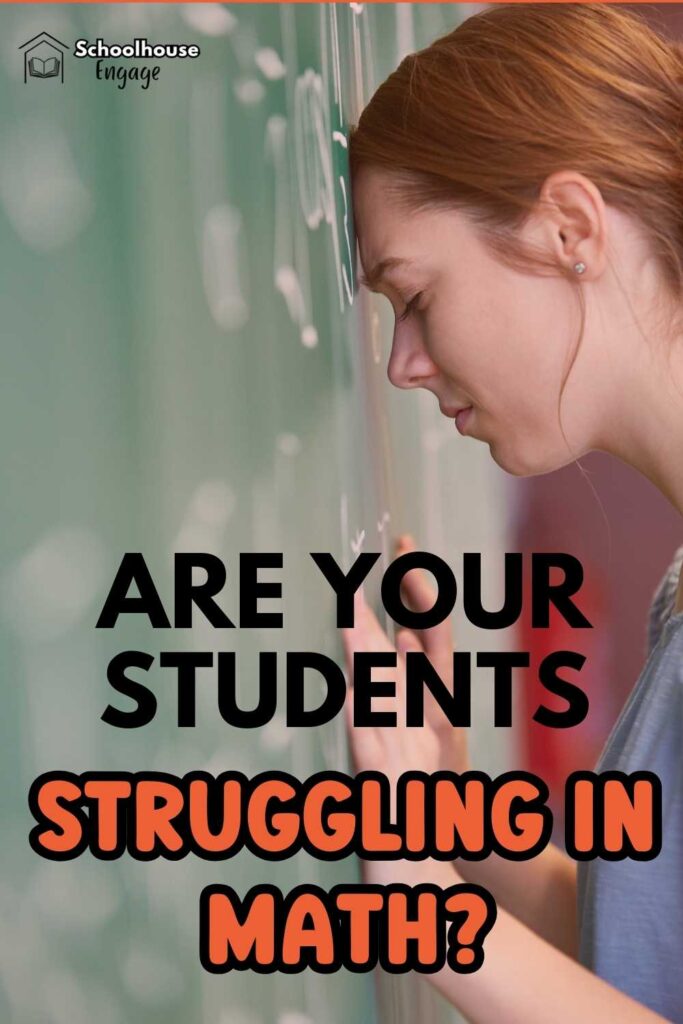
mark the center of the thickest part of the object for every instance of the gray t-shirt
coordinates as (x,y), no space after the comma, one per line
(631,912)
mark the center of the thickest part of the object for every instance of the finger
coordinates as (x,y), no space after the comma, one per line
(415,586)
(369,627)
(420,596)
(348,702)
(365,749)
(408,639)
(353,637)
(406,642)
(367,635)
(363,743)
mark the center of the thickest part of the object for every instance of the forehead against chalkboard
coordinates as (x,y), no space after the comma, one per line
(395,259)
(491,340)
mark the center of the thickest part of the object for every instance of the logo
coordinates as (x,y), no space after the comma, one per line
(126,66)
(43,57)
(117,62)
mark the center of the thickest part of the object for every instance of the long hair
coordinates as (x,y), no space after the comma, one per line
(483,115)
(478,119)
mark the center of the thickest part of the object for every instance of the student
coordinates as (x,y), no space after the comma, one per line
(518,197)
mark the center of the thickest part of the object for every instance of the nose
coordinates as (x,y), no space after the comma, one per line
(409,363)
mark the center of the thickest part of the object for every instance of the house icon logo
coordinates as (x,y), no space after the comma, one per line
(43,57)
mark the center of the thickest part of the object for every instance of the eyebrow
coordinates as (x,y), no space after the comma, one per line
(375,275)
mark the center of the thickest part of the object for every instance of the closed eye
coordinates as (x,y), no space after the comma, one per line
(410,307)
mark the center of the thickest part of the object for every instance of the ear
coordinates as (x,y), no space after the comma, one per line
(573,214)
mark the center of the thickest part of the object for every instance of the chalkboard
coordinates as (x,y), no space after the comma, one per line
(190,366)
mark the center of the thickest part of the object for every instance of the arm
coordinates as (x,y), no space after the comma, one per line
(525,980)
(540,892)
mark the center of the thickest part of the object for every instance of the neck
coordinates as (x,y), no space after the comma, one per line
(645,427)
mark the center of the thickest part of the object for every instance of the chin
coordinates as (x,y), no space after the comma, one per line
(528,461)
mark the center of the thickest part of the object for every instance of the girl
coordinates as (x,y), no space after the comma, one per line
(518,197)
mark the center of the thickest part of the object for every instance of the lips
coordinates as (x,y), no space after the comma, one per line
(459,413)
(452,410)
(462,418)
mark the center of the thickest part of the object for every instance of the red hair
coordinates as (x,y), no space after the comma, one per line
(480,118)
(483,115)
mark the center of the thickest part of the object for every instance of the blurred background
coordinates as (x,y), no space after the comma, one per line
(189,366)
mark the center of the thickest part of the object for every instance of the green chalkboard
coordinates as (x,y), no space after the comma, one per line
(188,366)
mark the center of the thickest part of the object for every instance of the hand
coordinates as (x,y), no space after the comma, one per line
(436,746)
(393,750)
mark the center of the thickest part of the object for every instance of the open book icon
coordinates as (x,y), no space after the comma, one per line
(43,68)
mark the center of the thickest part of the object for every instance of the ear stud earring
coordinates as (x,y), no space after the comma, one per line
(580,267)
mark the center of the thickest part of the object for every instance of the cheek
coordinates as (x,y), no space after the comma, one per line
(497,360)
(457,340)
(528,352)
(504,342)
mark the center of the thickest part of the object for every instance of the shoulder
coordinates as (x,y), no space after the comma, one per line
(663,600)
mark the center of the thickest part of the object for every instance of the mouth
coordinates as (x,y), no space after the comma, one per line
(462,418)
(461,414)
(451,411)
